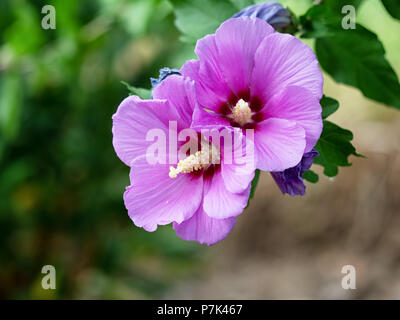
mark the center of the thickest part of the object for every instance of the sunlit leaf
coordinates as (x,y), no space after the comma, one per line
(141,92)
(334,147)
(355,57)
(195,18)
(240,4)
(310,176)
(329,106)
(393,7)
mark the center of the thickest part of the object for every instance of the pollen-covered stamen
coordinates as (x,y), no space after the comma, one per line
(241,112)
(192,163)
(197,161)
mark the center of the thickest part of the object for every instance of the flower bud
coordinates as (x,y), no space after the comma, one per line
(291,181)
(272,12)
(164,73)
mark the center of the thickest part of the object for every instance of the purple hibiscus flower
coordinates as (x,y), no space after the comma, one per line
(249,76)
(290,181)
(201,198)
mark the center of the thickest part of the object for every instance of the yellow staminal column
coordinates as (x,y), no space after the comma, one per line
(197,161)
(241,112)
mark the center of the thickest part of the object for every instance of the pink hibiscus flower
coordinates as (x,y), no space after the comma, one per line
(249,76)
(201,198)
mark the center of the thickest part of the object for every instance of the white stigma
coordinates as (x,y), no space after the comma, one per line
(197,161)
(241,112)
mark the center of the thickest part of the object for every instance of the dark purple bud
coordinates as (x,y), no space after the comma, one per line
(272,12)
(291,180)
(164,73)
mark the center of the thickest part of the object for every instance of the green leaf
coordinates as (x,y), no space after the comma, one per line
(319,21)
(334,148)
(254,185)
(310,176)
(329,106)
(393,7)
(241,4)
(195,18)
(337,5)
(141,92)
(355,57)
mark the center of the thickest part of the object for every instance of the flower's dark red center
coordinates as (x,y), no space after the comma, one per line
(235,103)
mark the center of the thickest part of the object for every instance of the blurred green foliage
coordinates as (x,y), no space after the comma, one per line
(61,183)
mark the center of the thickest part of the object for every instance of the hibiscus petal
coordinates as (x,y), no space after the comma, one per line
(212,89)
(191,69)
(205,96)
(282,60)
(131,123)
(219,202)
(156,199)
(203,229)
(298,104)
(208,119)
(237,41)
(239,172)
(279,144)
(180,92)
